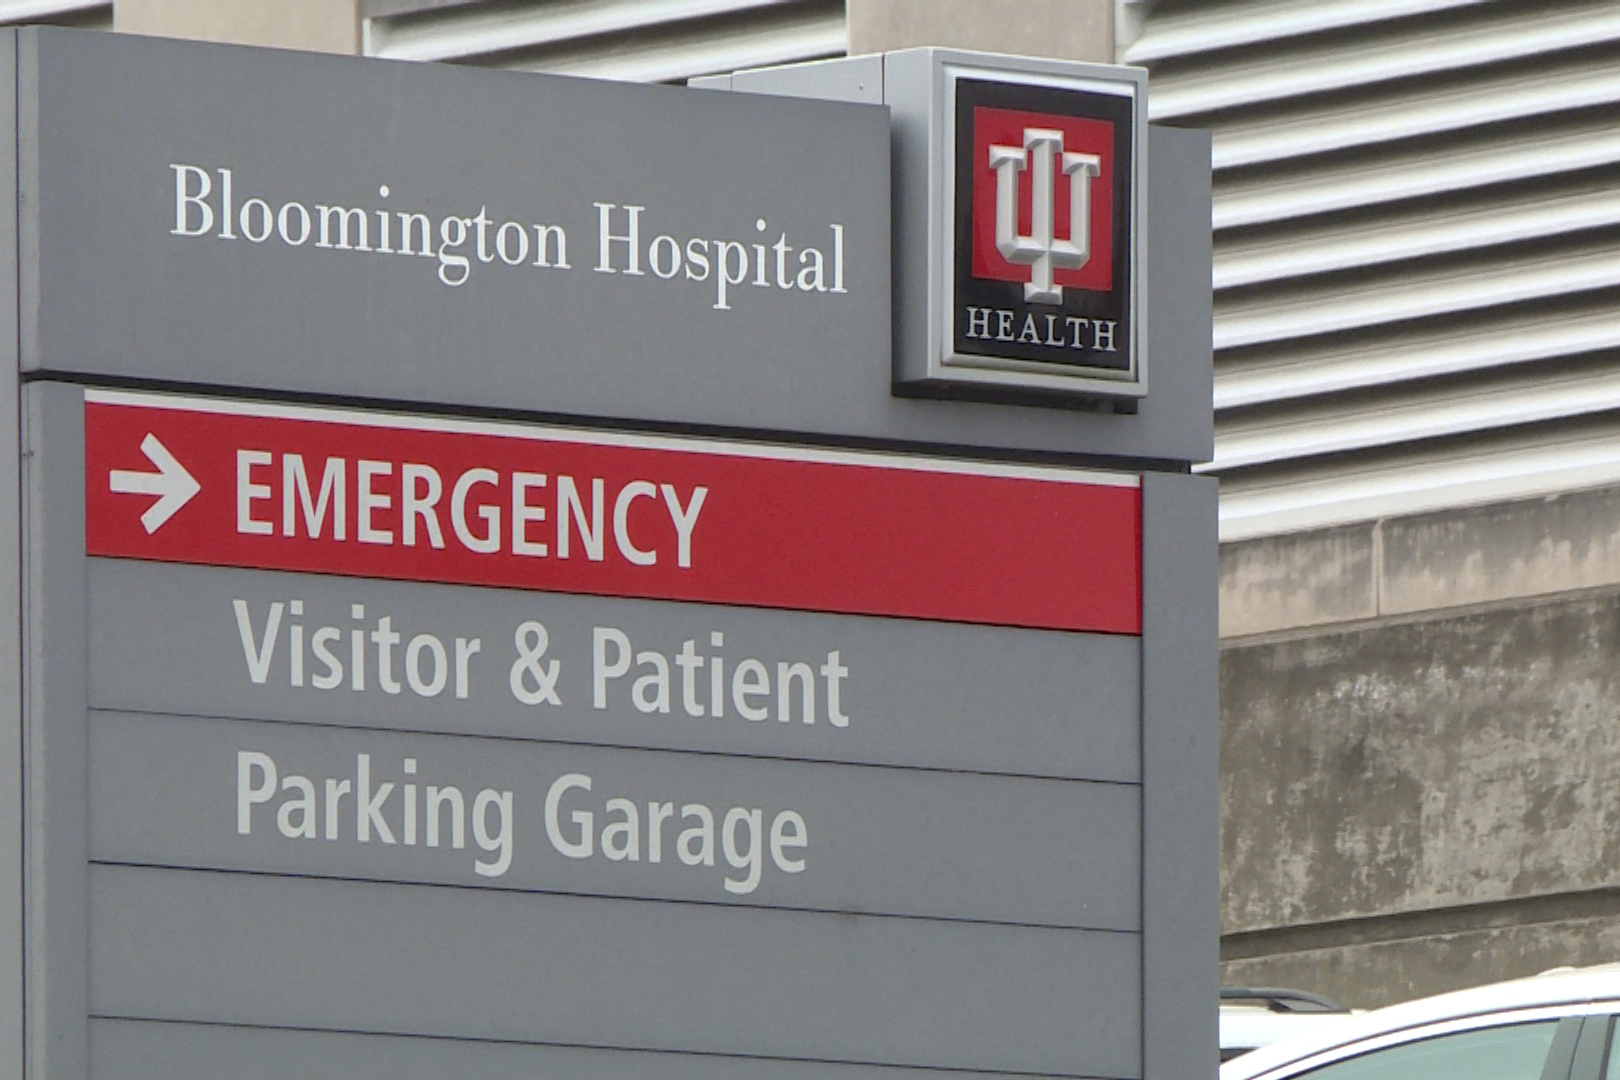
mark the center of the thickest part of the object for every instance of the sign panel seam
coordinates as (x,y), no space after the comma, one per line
(579,894)
(122,1018)
(548,431)
(561,743)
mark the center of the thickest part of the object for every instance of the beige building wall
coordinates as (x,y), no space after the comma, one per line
(331,26)
(1066,29)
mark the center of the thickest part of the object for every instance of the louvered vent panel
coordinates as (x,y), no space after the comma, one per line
(94,16)
(635,40)
(1417,247)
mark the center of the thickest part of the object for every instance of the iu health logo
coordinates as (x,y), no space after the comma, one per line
(1040,154)
(1043,258)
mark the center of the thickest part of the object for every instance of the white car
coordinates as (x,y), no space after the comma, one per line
(1554,1026)
(1252,1018)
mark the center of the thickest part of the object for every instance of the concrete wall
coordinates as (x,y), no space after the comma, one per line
(316,25)
(1421,749)
(1067,29)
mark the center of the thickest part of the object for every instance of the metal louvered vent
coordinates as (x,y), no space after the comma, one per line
(634,40)
(1417,248)
(86,13)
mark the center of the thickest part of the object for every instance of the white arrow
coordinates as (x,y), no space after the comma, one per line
(171,482)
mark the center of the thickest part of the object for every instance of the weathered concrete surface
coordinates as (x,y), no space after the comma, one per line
(1433,763)
(1299,580)
(1428,562)
(1529,548)
(1386,972)
(1420,749)
(1066,29)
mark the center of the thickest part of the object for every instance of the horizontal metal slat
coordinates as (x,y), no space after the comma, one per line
(1353,243)
(1414,295)
(1521,335)
(1527,463)
(1414,256)
(1564,144)
(25,11)
(377,8)
(1409,112)
(479,30)
(1505,33)
(1207,27)
(1336,426)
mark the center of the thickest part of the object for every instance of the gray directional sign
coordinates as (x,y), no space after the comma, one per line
(565,732)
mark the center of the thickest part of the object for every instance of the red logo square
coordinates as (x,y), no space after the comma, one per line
(994,127)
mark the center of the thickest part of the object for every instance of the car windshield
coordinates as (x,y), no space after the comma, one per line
(1511,1052)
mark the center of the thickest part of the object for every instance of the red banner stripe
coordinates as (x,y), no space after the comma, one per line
(537,508)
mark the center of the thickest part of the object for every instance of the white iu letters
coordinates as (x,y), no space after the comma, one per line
(1041,250)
